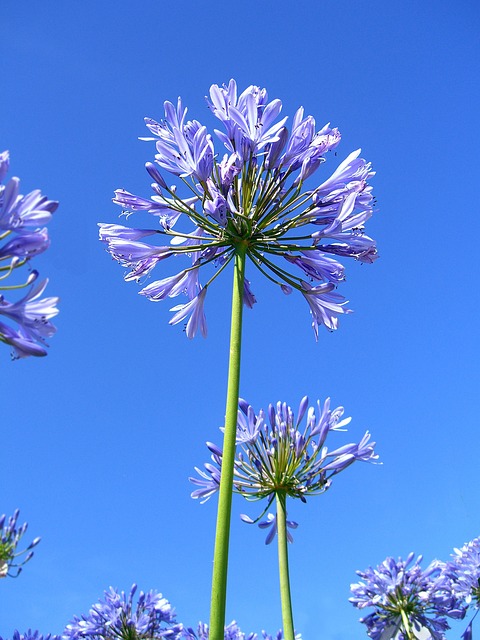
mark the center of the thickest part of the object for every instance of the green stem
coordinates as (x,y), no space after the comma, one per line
(287,616)
(222,535)
(406,624)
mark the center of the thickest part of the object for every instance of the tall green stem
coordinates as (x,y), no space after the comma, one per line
(222,535)
(287,617)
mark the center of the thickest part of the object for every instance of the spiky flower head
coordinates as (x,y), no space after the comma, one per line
(12,560)
(232,632)
(32,635)
(406,599)
(117,617)
(253,196)
(21,219)
(464,572)
(276,454)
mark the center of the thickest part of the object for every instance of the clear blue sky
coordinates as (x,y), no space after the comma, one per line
(99,438)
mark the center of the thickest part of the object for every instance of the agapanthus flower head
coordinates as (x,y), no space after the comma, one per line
(21,220)
(279,636)
(232,632)
(406,599)
(252,197)
(277,453)
(12,559)
(32,635)
(117,617)
(464,571)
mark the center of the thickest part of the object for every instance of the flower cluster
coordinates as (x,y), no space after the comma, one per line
(232,632)
(21,227)
(277,455)
(10,535)
(32,635)
(252,198)
(132,631)
(464,572)
(117,618)
(406,599)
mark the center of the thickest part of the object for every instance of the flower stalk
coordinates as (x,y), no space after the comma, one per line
(251,205)
(222,535)
(406,623)
(286,600)
(277,457)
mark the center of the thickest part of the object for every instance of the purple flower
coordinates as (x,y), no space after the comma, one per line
(32,635)
(232,632)
(194,309)
(24,239)
(17,211)
(468,633)
(278,455)
(116,617)
(168,287)
(158,206)
(271,524)
(33,315)
(209,481)
(464,572)
(246,120)
(110,231)
(325,305)
(215,206)
(183,149)
(10,536)
(279,636)
(22,344)
(140,257)
(25,245)
(249,298)
(318,266)
(405,599)
(256,196)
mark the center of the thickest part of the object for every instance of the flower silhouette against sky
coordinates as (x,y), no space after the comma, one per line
(253,195)
(275,454)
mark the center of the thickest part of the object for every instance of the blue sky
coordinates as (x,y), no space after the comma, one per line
(99,438)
